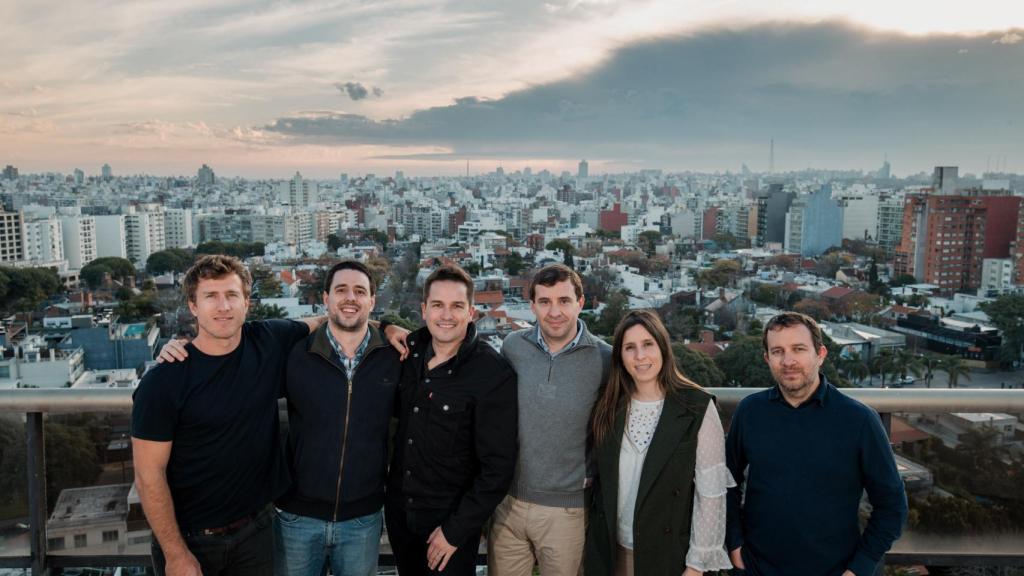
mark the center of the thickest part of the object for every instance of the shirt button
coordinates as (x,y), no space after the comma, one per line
(668,530)
(408,472)
(415,409)
(445,407)
(409,500)
(449,371)
(409,441)
(427,380)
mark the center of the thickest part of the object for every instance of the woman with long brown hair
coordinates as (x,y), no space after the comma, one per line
(659,501)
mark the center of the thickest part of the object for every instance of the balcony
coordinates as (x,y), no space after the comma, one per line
(923,424)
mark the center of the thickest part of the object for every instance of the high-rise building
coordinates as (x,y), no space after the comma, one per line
(10,173)
(1018,250)
(943,241)
(111,236)
(205,176)
(426,221)
(79,240)
(814,223)
(860,215)
(178,227)
(12,241)
(890,222)
(106,172)
(772,207)
(996,275)
(44,240)
(945,180)
(144,232)
(79,176)
(584,169)
(301,193)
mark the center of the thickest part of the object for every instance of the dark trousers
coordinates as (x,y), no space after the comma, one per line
(248,551)
(408,533)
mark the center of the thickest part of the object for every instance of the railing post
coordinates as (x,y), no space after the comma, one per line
(36,491)
(887,424)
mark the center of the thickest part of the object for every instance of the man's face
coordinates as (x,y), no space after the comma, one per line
(447,311)
(220,307)
(557,309)
(793,360)
(348,301)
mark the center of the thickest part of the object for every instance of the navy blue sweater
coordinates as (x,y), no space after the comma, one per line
(802,472)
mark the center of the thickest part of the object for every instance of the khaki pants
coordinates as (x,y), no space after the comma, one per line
(523,533)
(623,562)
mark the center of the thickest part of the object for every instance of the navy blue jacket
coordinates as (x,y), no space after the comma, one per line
(338,430)
(803,471)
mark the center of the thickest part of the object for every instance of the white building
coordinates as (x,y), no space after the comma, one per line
(996,274)
(178,227)
(144,228)
(299,192)
(111,236)
(860,215)
(79,240)
(32,364)
(44,240)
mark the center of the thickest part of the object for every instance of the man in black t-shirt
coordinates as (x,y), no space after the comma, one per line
(205,432)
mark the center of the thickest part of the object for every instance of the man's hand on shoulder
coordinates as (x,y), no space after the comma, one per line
(173,351)
(184,564)
(396,336)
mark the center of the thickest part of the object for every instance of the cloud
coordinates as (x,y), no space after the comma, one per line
(356,91)
(1009,38)
(825,93)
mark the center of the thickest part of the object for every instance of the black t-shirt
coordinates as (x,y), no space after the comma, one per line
(221,414)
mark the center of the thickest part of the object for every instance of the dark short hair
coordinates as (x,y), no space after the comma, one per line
(349,265)
(553,274)
(449,273)
(787,319)
(215,266)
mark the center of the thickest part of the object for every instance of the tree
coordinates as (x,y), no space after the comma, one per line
(697,366)
(783,261)
(240,250)
(1007,313)
(71,459)
(721,274)
(829,264)
(648,241)
(265,283)
(13,499)
(261,311)
(954,367)
(814,308)
(169,260)
(25,289)
(333,243)
(930,363)
(742,364)
(884,363)
(853,367)
(116,268)
(903,280)
(514,264)
(615,308)
(907,361)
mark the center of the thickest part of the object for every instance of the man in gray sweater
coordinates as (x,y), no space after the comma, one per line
(560,368)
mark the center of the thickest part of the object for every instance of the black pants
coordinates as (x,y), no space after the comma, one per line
(408,533)
(249,551)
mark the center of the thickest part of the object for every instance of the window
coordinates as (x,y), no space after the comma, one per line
(110,535)
(55,543)
(80,540)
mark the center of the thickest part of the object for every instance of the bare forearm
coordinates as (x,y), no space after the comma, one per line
(155,495)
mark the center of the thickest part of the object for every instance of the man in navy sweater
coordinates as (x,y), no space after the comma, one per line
(802,453)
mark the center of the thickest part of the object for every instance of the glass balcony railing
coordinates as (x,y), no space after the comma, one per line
(67,505)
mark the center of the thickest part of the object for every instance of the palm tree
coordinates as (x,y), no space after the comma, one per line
(930,363)
(854,367)
(906,361)
(883,363)
(954,367)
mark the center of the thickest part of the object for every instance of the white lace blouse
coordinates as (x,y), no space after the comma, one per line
(712,479)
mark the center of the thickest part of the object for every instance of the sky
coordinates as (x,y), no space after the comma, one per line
(265,88)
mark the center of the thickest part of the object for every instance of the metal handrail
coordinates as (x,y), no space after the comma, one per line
(884,400)
(35,402)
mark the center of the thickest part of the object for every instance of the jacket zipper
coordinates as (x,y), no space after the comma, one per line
(344,443)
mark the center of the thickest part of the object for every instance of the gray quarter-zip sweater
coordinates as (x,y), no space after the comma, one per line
(556,396)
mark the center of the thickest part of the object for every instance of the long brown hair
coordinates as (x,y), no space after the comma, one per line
(620,386)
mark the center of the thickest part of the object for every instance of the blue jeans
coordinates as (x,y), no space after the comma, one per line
(305,546)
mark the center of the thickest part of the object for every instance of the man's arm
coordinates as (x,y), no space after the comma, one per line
(151,481)
(736,461)
(886,494)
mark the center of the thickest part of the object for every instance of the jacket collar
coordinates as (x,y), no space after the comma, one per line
(420,341)
(319,344)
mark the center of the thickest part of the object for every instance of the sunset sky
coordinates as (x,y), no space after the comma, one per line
(262,89)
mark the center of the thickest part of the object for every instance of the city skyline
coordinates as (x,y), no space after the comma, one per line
(263,90)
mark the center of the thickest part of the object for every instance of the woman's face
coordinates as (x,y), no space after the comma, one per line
(641,355)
